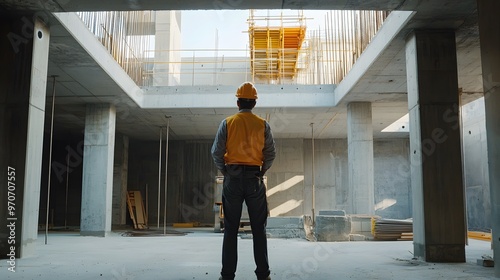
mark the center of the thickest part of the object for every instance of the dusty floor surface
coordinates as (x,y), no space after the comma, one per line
(197,255)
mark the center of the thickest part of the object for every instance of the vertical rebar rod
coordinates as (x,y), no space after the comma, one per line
(327,45)
(335,44)
(66,199)
(147,203)
(192,77)
(313,167)
(216,54)
(166,178)
(50,158)
(159,177)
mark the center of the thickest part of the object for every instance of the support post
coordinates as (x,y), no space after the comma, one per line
(435,146)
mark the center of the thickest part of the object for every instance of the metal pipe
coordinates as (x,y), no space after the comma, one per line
(216,56)
(192,77)
(166,177)
(66,200)
(50,157)
(159,177)
(313,187)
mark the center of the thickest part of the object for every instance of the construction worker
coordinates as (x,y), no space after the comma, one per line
(243,151)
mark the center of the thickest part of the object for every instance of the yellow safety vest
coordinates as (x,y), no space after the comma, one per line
(245,139)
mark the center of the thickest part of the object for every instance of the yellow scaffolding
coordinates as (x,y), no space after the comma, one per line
(274,49)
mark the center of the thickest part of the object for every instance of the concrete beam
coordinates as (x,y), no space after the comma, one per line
(394,23)
(115,5)
(79,31)
(270,96)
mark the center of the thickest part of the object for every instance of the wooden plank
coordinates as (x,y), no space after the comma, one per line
(478,235)
(139,210)
(392,229)
(131,206)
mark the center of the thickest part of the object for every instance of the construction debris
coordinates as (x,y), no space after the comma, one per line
(136,210)
(392,229)
(486,261)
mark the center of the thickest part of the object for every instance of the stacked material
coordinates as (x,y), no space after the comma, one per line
(479,235)
(392,229)
(136,210)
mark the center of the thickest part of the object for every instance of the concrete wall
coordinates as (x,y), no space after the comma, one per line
(392,189)
(167,37)
(214,70)
(393,197)
(285,179)
(331,174)
(476,166)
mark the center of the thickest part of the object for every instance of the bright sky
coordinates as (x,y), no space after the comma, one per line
(198,28)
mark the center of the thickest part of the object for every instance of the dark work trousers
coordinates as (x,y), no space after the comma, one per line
(241,183)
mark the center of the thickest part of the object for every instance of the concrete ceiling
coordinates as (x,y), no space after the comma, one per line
(81,80)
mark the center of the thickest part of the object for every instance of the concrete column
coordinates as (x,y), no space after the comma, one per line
(120,174)
(168,38)
(97,185)
(24,48)
(360,157)
(490,60)
(435,150)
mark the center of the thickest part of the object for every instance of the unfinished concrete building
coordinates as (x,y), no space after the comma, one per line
(398,124)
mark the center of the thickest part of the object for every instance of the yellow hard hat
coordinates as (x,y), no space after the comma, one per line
(246,91)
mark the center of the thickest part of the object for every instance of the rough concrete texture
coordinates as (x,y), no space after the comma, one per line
(490,56)
(29,206)
(391,177)
(332,228)
(285,227)
(475,151)
(393,197)
(435,145)
(360,158)
(197,256)
(167,34)
(97,183)
(22,111)
(357,237)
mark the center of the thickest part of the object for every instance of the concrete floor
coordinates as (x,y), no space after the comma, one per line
(197,255)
